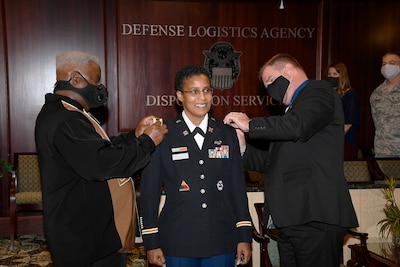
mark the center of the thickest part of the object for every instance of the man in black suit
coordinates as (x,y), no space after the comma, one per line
(76,160)
(306,194)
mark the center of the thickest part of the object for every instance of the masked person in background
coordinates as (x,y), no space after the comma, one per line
(338,76)
(76,158)
(385,108)
(306,194)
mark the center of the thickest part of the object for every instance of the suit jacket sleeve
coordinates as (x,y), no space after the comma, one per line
(100,159)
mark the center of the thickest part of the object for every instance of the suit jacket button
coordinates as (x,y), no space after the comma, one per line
(204,205)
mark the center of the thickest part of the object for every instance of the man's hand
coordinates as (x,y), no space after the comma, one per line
(153,127)
(238,120)
(143,124)
(243,253)
(156,131)
(156,257)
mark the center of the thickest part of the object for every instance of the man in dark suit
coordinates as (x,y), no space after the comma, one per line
(205,221)
(306,195)
(76,160)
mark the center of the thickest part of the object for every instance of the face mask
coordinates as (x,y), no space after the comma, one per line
(95,96)
(333,80)
(278,88)
(390,71)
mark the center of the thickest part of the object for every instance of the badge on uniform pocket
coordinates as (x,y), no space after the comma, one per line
(221,152)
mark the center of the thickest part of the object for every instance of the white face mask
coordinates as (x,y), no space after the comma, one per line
(390,71)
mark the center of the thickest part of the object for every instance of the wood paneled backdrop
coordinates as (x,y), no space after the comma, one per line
(139,67)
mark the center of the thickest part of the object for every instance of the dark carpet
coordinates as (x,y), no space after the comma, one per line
(32,251)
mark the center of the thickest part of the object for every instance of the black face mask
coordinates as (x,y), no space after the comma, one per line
(333,80)
(278,88)
(95,96)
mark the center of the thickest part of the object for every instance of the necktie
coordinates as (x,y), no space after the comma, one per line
(198,136)
(198,130)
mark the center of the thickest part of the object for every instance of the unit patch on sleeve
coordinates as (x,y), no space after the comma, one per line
(184,186)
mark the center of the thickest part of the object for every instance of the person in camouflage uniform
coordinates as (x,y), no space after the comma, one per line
(385,108)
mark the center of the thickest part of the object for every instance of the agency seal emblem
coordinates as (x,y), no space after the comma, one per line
(222,61)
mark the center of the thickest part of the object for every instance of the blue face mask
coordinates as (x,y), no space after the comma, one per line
(95,96)
(278,88)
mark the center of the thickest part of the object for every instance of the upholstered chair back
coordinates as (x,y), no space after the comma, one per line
(390,167)
(356,171)
(28,179)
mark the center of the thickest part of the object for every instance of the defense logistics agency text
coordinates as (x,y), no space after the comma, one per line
(157,30)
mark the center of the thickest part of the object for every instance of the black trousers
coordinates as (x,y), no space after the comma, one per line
(312,244)
(114,260)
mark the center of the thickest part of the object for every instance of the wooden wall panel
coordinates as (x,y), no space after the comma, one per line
(360,34)
(36,32)
(147,64)
(32,34)
(3,89)
(4,126)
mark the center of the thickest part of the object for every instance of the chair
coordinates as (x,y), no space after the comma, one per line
(364,260)
(265,234)
(25,189)
(254,179)
(263,241)
(390,167)
(273,234)
(357,171)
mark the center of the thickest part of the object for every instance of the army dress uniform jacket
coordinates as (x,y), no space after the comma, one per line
(304,180)
(206,209)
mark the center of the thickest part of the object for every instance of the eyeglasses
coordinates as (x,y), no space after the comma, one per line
(99,85)
(197,92)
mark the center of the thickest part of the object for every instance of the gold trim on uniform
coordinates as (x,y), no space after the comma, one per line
(243,224)
(150,231)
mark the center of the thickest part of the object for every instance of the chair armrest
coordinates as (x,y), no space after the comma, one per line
(256,235)
(362,236)
(365,258)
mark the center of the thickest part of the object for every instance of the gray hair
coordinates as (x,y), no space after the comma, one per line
(75,58)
